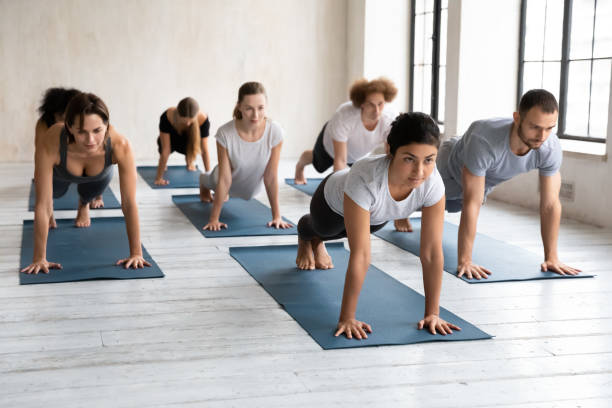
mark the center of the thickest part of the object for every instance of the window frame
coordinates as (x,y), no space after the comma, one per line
(564,74)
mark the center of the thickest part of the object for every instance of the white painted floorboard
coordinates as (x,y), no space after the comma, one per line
(208,335)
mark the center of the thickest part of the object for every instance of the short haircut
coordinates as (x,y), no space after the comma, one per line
(540,98)
(362,88)
(413,127)
(81,105)
(188,107)
(54,102)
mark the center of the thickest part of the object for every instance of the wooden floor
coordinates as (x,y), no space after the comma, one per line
(208,335)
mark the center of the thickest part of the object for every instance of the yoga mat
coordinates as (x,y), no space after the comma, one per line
(178,176)
(506,262)
(84,253)
(243,218)
(308,188)
(313,299)
(70,200)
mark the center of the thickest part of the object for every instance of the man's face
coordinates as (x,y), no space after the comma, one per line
(535,127)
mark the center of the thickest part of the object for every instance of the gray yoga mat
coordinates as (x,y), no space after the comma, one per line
(313,299)
(84,253)
(178,176)
(506,262)
(308,188)
(243,218)
(70,200)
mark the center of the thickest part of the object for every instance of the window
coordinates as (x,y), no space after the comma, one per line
(566,48)
(428,57)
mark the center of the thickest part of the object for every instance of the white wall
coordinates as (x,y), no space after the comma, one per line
(143,56)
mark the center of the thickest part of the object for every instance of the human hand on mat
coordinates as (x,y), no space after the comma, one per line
(435,324)
(134,262)
(353,327)
(557,266)
(472,271)
(161,182)
(214,226)
(279,223)
(40,266)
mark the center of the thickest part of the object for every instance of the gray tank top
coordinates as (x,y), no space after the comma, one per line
(61,172)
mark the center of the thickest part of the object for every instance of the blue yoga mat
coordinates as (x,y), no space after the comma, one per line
(178,176)
(506,262)
(70,200)
(313,299)
(84,253)
(308,188)
(243,218)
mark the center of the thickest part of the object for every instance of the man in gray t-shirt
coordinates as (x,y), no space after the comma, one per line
(493,151)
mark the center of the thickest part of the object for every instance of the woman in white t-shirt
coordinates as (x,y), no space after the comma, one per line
(248,150)
(357,127)
(354,203)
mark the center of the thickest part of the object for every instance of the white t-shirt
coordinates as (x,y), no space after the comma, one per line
(346,126)
(367,184)
(248,159)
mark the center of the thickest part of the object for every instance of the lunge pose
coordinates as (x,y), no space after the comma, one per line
(356,202)
(493,151)
(357,127)
(183,129)
(248,150)
(82,151)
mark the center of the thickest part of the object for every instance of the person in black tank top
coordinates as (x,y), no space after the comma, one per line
(185,130)
(82,151)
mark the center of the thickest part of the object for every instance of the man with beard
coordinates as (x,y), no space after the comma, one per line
(493,151)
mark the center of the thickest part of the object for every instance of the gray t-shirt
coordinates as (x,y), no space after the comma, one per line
(248,159)
(367,184)
(485,151)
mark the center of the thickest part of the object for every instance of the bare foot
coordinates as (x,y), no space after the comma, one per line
(97,202)
(403,225)
(82,218)
(305,257)
(191,167)
(299,174)
(205,195)
(322,258)
(52,223)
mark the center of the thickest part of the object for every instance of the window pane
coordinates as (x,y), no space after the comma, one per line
(577,117)
(582,29)
(603,31)
(419,6)
(417,89)
(553,35)
(444,4)
(427,46)
(419,38)
(429,5)
(426,95)
(600,94)
(443,31)
(534,30)
(441,94)
(532,76)
(550,77)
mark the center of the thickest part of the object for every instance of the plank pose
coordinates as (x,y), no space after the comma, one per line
(183,129)
(493,151)
(248,150)
(357,127)
(82,151)
(354,203)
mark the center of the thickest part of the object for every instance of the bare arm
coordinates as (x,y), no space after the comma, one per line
(550,219)
(205,153)
(340,155)
(357,223)
(432,259)
(123,156)
(223,187)
(473,195)
(45,157)
(164,139)
(271,183)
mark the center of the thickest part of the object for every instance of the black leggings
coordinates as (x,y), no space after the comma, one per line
(87,191)
(322,222)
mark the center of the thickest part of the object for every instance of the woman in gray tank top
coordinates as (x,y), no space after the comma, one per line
(82,151)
